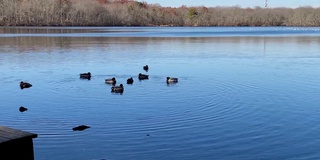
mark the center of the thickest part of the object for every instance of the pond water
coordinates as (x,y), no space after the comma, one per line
(243,93)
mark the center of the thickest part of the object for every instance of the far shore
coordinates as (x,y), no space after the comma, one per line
(109,13)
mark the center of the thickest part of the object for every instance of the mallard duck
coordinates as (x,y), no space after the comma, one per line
(22,109)
(25,85)
(80,128)
(146,67)
(143,76)
(117,89)
(172,80)
(111,81)
(130,80)
(85,75)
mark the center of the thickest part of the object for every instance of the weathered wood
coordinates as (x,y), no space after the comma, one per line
(7,134)
(16,144)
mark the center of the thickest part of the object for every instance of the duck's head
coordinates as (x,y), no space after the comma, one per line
(121,85)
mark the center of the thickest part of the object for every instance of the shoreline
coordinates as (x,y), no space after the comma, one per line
(140,14)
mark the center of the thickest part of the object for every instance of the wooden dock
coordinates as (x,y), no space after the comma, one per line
(16,144)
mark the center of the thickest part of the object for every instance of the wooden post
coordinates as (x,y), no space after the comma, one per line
(16,144)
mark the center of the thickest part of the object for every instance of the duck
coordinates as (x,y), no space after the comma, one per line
(80,128)
(22,109)
(111,81)
(143,76)
(146,67)
(117,89)
(85,75)
(172,80)
(130,80)
(25,85)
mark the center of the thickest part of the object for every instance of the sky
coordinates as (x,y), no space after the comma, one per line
(241,3)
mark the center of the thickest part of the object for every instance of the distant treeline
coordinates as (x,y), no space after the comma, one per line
(133,13)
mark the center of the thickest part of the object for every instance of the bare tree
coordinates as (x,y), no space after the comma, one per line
(133,13)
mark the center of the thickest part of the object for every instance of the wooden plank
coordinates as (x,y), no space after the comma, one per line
(8,134)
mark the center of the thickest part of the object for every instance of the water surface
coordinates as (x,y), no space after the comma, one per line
(243,93)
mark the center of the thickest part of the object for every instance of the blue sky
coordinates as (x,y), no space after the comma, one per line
(241,3)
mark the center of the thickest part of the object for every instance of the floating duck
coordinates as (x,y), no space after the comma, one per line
(143,76)
(130,80)
(85,75)
(172,80)
(111,81)
(117,89)
(80,128)
(25,85)
(22,109)
(146,67)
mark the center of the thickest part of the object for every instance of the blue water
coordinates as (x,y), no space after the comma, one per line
(244,93)
(158,31)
